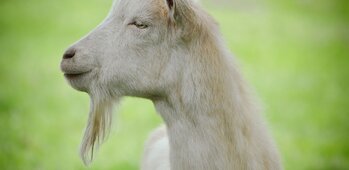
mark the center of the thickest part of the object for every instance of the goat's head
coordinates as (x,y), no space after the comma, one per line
(129,54)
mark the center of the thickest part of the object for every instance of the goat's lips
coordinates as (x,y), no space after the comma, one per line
(71,75)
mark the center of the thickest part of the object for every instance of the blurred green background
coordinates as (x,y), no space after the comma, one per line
(294,53)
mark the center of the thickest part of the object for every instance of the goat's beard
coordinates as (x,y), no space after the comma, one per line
(99,123)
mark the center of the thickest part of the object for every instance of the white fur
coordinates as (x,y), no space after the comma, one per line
(156,154)
(174,56)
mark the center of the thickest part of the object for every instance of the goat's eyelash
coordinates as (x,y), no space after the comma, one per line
(139,25)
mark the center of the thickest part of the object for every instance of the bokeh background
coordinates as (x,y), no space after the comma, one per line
(294,53)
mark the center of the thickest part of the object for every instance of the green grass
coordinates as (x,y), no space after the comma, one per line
(294,53)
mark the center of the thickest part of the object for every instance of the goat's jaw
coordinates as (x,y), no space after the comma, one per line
(80,81)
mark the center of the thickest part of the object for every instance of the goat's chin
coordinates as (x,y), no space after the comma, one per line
(99,123)
(79,84)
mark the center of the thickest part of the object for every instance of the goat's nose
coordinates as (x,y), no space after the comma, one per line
(70,53)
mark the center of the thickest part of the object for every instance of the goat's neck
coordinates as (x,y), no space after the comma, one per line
(204,121)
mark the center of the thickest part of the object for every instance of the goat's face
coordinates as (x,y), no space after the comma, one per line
(128,54)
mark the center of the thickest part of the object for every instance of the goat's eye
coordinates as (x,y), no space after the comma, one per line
(139,25)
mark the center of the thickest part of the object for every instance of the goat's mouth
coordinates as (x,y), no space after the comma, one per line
(79,80)
(74,75)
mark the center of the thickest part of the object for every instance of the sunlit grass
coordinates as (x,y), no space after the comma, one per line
(296,59)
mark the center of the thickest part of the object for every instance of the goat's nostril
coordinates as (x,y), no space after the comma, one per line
(69,54)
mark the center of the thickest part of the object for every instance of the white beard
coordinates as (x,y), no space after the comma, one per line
(99,123)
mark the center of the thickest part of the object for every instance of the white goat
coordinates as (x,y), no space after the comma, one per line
(171,52)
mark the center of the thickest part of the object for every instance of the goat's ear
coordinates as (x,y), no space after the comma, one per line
(171,5)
